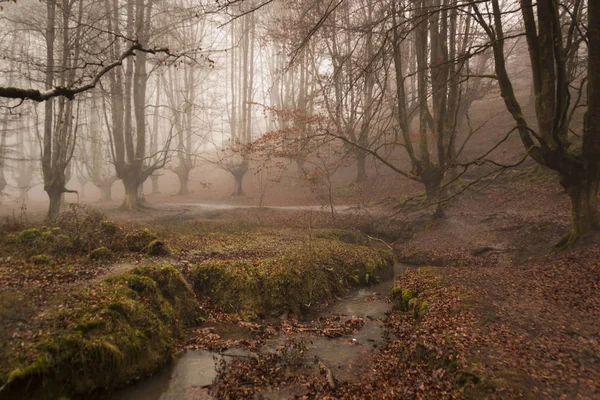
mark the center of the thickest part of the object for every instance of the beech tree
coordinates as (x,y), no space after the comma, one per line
(414,64)
(182,84)
(127,92)
(241,81)
(557,34)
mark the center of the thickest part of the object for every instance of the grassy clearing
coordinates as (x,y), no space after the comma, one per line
(101,336)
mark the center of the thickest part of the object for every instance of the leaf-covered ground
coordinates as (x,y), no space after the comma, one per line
(494,314)
(85,307)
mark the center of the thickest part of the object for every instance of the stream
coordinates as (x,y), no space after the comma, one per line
(192,372)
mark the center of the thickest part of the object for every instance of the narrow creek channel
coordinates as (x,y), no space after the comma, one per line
(188,376)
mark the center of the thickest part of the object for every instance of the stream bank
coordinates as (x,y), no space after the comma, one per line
(316,335)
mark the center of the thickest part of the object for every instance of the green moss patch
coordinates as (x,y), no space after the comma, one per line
(302,275)
(103,336)
(101,253)
(139,240)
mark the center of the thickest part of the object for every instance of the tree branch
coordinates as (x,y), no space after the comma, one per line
(40,96)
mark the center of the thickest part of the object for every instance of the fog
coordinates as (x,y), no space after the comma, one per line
(206,100)
(271,199)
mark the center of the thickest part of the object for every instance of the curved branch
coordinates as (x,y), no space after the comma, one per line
(69,93)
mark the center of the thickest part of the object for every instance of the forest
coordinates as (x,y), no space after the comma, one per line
(311,199)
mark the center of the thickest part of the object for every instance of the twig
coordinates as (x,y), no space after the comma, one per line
(380,240)
(327,371)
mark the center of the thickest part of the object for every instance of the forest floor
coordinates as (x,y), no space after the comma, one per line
(507,315)
(496,312)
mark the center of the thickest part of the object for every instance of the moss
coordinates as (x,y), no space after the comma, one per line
(401,297)
(405,299)
(139,240)
(101,253)
(158,248)
(29,236)
(122,328)
(407,295)
(302,276)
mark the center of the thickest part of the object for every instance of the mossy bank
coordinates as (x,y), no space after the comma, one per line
(302,276)
(102,336)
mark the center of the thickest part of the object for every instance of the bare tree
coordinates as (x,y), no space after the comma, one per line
(127,93)
(554,40)
(241,58)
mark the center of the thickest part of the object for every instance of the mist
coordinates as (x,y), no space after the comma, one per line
(294,183)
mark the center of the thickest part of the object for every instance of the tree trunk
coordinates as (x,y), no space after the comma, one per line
(184,178)
(54,195)
(131,201)
(82,190)
(433,193)
(2,180)
(585,216)
(23,194)
(361,167)
(141,199)
(106,192)
(300,161)
(154,180)
(238,176)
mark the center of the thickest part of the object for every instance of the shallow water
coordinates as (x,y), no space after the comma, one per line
(189,376)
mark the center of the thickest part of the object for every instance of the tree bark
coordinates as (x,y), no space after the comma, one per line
(106,192)
(184,178)
(131,201)
(23,194)
(584,208)
(300,161)
(433,191)
(154,180)
(361,167)
(238,175)
(54,195)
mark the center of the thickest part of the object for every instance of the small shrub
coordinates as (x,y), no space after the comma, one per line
(47,235)
(158,248)
(109,228)
(139,240)
(29,235)
(101,253)
(11,238)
